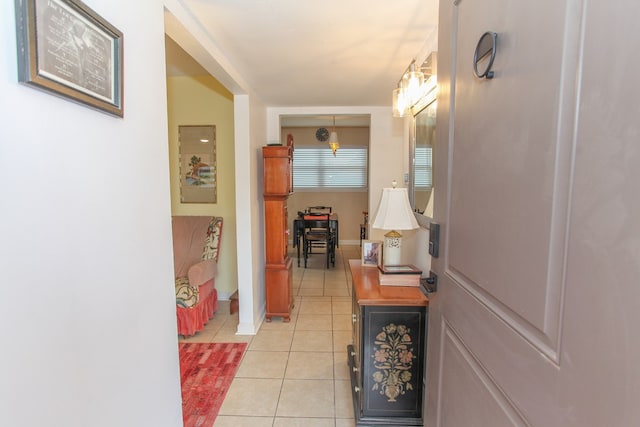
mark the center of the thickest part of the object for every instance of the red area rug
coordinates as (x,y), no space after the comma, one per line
(206,372)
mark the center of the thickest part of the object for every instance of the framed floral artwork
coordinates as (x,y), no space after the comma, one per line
(198,169)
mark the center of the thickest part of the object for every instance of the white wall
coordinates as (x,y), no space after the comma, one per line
(87,316)
(250,130)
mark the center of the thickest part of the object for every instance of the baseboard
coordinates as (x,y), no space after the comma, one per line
(252,329)
(247,329)
(349,242)
(225,295)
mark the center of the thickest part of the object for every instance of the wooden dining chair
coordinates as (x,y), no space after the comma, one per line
(319,209)
(318,232)
(315,211)
(363,227)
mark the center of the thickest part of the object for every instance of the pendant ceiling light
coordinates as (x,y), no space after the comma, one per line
(333,138)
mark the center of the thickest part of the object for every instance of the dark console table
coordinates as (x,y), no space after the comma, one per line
(387,357)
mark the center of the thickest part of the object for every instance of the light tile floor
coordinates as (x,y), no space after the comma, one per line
(294,374)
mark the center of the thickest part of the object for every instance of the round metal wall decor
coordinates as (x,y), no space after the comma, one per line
(486,46)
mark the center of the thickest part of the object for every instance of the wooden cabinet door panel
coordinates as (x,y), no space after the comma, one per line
(278,268)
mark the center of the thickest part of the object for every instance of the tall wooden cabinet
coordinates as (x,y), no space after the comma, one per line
(278,269)
(387,357)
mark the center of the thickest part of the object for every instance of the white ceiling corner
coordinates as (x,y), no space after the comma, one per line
(306,53)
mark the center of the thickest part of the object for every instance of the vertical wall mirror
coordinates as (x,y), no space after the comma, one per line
(422,139)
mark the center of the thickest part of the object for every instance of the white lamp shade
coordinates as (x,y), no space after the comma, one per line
(333,142)
(394,211)
(333,137)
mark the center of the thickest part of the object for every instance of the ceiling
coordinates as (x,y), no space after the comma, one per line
(179,62)
(311,53)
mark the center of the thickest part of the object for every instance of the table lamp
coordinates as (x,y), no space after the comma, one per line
(394,213)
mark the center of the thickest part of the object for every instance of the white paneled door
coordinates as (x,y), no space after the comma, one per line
(537,315)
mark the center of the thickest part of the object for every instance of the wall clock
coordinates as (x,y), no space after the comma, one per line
(322,134)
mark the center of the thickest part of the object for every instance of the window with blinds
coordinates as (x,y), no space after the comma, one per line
(318,169)
(423,168)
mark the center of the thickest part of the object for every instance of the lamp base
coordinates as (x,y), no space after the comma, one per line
(392,252)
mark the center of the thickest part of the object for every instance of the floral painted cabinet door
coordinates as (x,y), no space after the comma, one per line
(387,356)
(393,359)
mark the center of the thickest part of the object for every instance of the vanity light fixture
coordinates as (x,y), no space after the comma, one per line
(400,104)
(415,83)
(412,83)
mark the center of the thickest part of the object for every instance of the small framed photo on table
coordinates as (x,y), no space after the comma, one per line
(371,253)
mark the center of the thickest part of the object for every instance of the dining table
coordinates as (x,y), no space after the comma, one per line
(298,229)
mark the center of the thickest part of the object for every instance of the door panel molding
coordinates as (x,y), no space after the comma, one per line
(541,341)
(460,370)
(501,176)
(496,346)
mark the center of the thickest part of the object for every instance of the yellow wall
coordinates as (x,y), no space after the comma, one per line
(204,101)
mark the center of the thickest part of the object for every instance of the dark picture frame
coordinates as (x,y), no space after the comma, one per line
(67,49)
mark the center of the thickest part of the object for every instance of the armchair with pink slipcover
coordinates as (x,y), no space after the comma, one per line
(196,246)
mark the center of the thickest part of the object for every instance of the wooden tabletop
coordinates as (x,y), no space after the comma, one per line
(369,292)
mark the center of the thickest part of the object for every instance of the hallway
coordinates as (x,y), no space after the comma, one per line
(294,374)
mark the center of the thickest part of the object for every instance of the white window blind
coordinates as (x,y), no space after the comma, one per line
(423,167)
(318,169)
